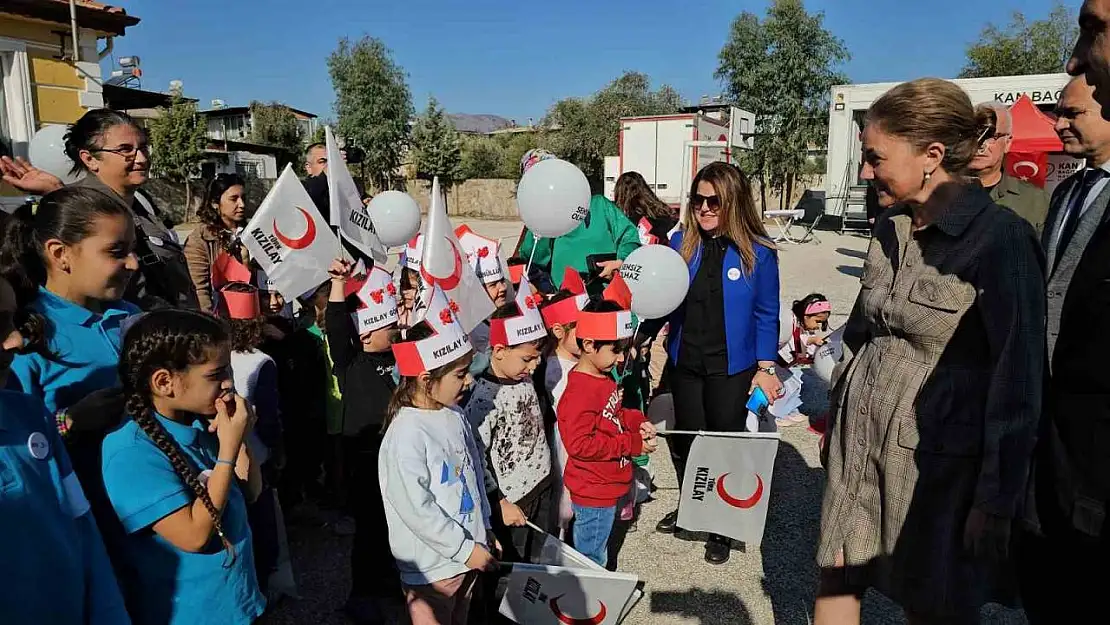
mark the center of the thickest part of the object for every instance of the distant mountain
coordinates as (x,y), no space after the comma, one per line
(479,124)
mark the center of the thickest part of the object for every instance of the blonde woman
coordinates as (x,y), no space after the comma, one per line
(933,419)
(724,338)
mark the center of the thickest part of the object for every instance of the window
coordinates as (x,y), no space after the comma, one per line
(16,113)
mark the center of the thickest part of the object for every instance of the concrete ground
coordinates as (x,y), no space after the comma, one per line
(774,583)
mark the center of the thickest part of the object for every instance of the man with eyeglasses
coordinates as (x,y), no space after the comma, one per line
(996,131)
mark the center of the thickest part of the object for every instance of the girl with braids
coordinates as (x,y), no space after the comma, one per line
(179,476)
(55,569)
(222,213)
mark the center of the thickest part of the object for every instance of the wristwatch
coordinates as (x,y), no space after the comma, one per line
(768,370)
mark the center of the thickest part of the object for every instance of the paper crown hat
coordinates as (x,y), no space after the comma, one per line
(226,269)
(447,344)
(605,326)
(482,253)
(516,273)
(414,251)
(263,281)
(618,292)
(525,327)
(566,311)
(241,301)
(377,298)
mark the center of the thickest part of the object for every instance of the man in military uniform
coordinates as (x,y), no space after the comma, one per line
(996,132)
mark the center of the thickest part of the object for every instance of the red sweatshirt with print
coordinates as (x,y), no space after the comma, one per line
(601,438)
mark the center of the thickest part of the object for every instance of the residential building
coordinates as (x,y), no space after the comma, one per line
(42,80)
(234,123)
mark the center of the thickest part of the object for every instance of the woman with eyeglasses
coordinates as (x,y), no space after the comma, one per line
(112,151)
(723,339)
(222,213)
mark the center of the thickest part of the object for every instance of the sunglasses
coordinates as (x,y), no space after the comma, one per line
(705,203)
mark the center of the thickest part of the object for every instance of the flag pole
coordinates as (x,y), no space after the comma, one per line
(775,435)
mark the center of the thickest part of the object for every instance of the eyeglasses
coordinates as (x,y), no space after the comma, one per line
(126,151)
(705,203)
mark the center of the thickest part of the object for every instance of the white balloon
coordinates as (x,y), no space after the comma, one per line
(553,198)
(48,153)
(396,217)
(658,279)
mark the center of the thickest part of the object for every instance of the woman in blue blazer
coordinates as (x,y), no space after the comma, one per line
(723,338)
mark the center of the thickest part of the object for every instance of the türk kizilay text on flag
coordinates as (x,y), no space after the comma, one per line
(444,264)
(727,484)
(564,587)
(289,238)
(346,207)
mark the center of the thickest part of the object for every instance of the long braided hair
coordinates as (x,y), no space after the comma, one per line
(173,340)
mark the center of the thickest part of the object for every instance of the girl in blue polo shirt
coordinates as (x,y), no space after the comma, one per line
(179,476)
(70,261)
(55,567)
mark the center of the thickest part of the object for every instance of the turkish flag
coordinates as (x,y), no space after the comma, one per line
(1028,166)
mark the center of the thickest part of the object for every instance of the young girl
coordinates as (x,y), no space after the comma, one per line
(55,567)
(173,471)
(70,263)
(799,339)
(362,327)
(431,473)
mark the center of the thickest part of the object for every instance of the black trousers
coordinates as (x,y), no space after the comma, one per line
(714,403)
(1062,576)
(373,570)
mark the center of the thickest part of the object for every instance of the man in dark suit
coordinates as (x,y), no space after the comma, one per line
(1063,555)
(1091,55)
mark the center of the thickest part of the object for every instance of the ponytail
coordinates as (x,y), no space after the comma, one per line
(173,340)
(67,215)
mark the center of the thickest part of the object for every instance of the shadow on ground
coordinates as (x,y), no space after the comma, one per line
(860,254)
(710,608)
(850,270)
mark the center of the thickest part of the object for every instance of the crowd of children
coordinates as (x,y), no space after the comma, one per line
(195,435)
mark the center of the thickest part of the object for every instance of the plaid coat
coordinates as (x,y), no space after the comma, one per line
(936,412)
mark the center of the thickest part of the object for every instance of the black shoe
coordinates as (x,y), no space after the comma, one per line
(717,549)
(668,524)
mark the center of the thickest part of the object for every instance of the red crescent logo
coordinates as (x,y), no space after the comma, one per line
(304,240)
(740,503)
(563,618)
(1030,165)
(448,282)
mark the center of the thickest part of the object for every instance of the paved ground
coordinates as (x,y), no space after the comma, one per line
(771,584)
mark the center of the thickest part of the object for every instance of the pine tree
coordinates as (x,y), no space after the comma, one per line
(177,143)
(437,149)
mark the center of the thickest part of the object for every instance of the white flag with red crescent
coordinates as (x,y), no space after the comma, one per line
(444,263)
(289,238)
(727,484)
(346,207)
(565,587)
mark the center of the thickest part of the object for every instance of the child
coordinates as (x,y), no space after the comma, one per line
(170,471)
(362,328)
(431,473)
(255,377)
(334,491)
(55,567)
(600,435)
(799,339)
(508,421)
(409,281)
(484,257)
(560,314)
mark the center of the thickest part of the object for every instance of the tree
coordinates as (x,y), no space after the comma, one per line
(372,103)
(320,136)
(275,124)
(782,69)
(436,147)
(514,147)
(482,157)
(177,143)
(585,130)
(1023,47)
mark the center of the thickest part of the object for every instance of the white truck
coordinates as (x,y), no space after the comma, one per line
(844,190)
(668,150)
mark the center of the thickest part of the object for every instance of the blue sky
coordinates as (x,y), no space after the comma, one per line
(515,59)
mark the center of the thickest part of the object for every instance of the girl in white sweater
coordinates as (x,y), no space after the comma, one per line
(431,473)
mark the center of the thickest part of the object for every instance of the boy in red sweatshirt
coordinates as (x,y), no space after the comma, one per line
(600,436)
